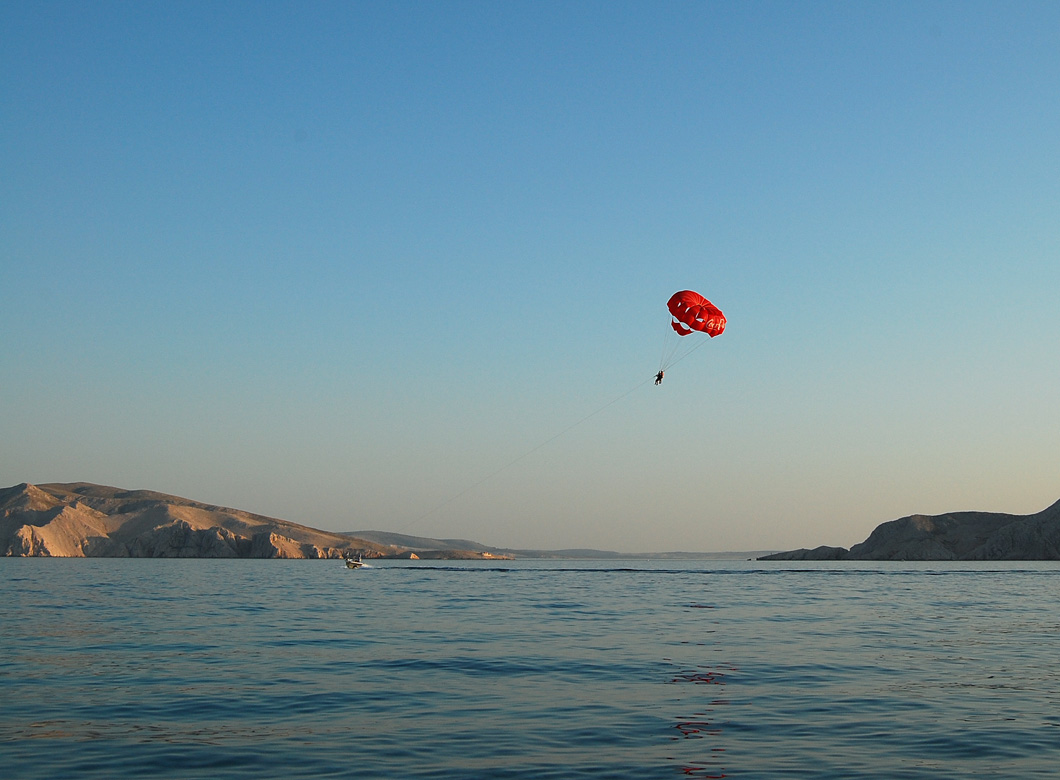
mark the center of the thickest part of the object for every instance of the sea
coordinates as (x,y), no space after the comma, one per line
(528,669)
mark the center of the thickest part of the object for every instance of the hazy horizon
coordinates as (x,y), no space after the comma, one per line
(405,266)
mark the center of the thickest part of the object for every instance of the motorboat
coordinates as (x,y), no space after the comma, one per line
(351,562)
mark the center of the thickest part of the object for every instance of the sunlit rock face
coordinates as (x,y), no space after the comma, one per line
(84,520)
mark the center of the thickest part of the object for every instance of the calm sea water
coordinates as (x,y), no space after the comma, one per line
(557,669)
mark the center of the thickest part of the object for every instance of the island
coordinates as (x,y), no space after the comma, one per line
(955,536)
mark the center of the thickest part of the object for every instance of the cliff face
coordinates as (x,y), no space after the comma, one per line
(85,520)
(958,536)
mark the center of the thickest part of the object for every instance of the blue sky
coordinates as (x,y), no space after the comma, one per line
(404,266)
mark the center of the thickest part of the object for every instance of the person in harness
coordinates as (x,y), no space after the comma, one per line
(659,378)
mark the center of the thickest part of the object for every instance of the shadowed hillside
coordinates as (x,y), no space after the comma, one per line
(956,536)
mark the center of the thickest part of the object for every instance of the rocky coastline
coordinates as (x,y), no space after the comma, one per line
(83,520)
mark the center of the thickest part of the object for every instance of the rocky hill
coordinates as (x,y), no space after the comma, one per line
(85,520)
(957,536)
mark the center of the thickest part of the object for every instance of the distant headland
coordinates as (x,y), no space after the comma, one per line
(82,520)
(957,536)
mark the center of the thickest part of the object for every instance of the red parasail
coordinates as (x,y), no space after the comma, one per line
(692,311)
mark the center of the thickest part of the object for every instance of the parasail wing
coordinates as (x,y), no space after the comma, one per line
(694,312)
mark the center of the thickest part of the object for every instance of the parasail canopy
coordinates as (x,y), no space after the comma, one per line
(691,311)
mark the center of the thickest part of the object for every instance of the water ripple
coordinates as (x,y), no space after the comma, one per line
(270,669)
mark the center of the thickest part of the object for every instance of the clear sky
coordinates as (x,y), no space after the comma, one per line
(404,266)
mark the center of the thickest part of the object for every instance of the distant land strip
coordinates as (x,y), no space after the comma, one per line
(85,520)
